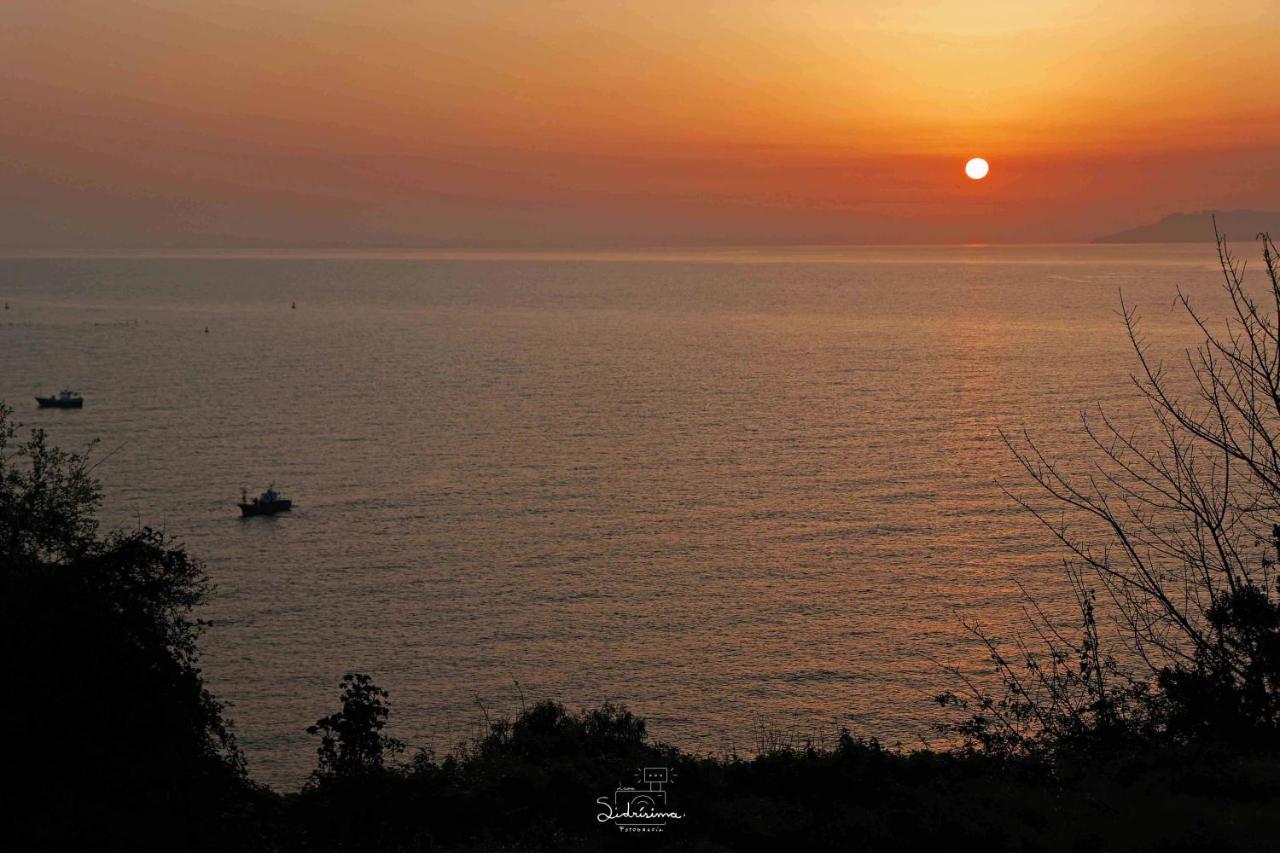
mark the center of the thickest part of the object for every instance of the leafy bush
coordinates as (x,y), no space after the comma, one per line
(351,741)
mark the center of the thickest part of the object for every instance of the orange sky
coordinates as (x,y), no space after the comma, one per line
(566,123)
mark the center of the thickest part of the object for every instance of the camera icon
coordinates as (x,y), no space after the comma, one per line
(646,798)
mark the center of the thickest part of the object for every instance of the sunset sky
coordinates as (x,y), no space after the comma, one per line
(585,123)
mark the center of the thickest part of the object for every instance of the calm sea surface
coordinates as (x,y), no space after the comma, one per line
(726,489)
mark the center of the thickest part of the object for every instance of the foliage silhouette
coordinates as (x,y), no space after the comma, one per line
(531,784)
(47,501)
(109,733)
(351,741)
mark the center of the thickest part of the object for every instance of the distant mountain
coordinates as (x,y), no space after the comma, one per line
(1198,227)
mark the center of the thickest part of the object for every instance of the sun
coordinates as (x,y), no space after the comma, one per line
(977,168)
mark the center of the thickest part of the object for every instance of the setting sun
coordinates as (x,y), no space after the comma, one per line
(977,168)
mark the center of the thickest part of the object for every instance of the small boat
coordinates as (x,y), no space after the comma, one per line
(268,503)
(63,400)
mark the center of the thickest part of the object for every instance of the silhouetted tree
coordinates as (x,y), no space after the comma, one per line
(1174,525)
(107,730)
(351,741)
(1231,687)
(47,500)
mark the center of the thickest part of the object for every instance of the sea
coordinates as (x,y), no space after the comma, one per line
(755,495)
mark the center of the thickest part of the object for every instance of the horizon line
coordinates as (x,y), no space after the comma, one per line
(481,251)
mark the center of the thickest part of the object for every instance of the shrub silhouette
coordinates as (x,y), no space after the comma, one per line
(47,501)
(532,782)
(351,741)
(1231,687)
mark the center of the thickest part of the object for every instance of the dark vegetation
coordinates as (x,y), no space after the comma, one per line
(1150,722)
(108,733)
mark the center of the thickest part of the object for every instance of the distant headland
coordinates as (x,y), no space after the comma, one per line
(1198,227)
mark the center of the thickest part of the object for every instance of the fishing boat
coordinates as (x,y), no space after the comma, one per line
(268,503)
(62,400)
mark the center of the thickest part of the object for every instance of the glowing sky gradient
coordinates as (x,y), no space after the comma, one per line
(512,123)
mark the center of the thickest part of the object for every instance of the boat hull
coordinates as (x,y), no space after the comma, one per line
(259,508)
(57,403)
